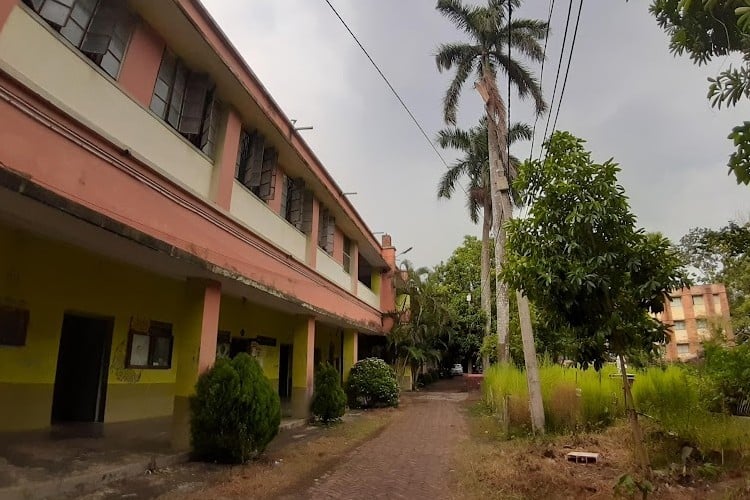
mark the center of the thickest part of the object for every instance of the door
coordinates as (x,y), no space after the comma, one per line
(285,371)
(82,367)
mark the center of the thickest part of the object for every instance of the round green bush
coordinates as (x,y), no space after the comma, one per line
(372,383)
(329,399)
(235,412)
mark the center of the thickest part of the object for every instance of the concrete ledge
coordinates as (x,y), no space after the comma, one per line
(89,481)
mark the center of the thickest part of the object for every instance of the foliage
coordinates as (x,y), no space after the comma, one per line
(721,256)
(726,376)
(235,412)
(419,335)
(581,260)
(372,384)
(705,29)
(574,399)
(329,399)
(673,397)
(628,487)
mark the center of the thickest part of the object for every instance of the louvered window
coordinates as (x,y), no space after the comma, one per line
(347,262)
(326,230)
(99,28)
(257,165)
(186,100)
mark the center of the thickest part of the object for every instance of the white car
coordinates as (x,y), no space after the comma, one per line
(457,370)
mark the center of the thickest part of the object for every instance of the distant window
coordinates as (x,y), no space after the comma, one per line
(717,302)
(697,300)
(98,28)
(701,324)
(683,348)
(326,231)
(256,165)
(152,349)
(347,262)
(364,273)
(676,302)
(679,325)
(186,100)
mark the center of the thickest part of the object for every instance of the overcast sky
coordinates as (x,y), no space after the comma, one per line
(626,95)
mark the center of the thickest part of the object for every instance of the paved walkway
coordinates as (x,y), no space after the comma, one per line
(411,458)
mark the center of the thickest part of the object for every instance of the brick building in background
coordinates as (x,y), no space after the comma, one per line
(694,314)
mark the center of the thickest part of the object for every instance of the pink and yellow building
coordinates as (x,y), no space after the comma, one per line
(157,208)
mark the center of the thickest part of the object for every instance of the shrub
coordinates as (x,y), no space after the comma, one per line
(235,411)
(372,383)
(329,400)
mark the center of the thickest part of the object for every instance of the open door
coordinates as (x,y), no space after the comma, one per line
(80,390)
(285,371)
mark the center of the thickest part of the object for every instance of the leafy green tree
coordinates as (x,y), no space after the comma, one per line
(329,400)
(580,259)
(372,384)
(704,29)
(475,165)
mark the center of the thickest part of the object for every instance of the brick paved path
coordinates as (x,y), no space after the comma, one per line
(411,458)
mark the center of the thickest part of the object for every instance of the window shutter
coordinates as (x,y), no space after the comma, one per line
(194,103)
(296,190)
(323,228)
(268,174)
(210,125)
(254,163)
(284,196)
(56,12)
(242,152)
(307,211)
(99,34)
(330,230)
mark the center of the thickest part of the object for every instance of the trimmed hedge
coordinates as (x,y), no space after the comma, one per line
(235,411)
(329,399)
(372,383)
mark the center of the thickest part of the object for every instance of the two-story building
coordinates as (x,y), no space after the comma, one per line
(157,209)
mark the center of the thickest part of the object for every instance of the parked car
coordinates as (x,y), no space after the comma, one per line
(457,370)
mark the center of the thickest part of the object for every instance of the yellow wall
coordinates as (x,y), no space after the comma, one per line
(49,279)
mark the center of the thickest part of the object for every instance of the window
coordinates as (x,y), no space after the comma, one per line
(717,302)
(676,302)
(98,28)
(364,273)
(701,324)
(683,348)
(326,230)
(347,261)
(256,165)
(298,205)
(151,349)
(679,325)
(697,300)
(186,100)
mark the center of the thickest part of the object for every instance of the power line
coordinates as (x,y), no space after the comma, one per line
(559,67)
(509,123)
(377,68)
(541,73)
(567,69)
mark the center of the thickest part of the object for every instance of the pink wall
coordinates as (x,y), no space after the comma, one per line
(338,246)
(209,325)
(141,63)
(223,175)
(81,166)
(6,6)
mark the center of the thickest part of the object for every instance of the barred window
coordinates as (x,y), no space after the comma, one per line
(326,230)
(99,28)
(256,165)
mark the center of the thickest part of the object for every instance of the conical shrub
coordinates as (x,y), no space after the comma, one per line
(329,399)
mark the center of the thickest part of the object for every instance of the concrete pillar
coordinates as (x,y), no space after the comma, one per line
(275,202)
(228,143)
(303,361)
(349,356)
(311,253)
(354,267)
(194,350)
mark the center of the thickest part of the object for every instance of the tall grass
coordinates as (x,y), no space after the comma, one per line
(573,399)
(577,399)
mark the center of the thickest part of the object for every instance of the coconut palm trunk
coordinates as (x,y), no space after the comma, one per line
(486,288)
(497,131)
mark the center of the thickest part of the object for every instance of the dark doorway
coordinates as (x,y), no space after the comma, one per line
(239,345)
(285,371)
(82,368)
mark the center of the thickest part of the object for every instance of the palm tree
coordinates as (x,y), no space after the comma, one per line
(491,37)
(475,165)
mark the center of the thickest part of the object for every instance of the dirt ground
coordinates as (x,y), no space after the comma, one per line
(523,468)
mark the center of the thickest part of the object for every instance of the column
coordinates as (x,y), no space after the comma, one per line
(349,356)
(141,64)
(228,143)
(354,267)
(303,359)
(194,350)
